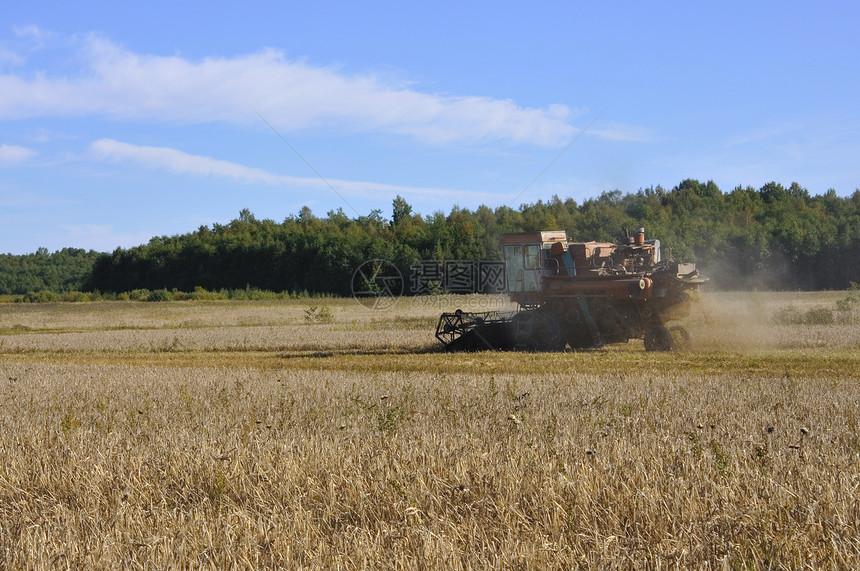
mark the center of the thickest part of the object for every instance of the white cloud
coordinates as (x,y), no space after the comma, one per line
(186,163)
(181,162)
(12,154)
(291,94)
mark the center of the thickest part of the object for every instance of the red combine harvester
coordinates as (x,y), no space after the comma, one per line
(581,294)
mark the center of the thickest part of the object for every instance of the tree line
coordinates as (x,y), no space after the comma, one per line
(774,237)
(61,271)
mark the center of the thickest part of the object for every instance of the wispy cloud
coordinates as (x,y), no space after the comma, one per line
(100,237)
(35,34)
(12,154)
(9,57)
(117,83)
(182,162)
(15,197)
(757,135)
(185,163)
(622,132)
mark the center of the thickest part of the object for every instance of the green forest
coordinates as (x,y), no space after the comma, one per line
(775,237)
(62,271)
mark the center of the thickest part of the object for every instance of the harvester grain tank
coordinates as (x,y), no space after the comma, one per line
(580,294)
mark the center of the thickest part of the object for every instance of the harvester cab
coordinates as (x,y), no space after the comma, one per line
(580,294)
(528,259)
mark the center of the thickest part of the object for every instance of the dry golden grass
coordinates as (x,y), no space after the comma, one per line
(350,445)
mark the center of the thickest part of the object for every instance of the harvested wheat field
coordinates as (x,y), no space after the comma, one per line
(324,435)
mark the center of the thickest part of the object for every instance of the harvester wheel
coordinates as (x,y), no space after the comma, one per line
(681,338)
(546,333)
(658,339)
(538,332)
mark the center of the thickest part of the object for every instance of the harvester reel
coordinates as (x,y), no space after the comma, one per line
(658,339)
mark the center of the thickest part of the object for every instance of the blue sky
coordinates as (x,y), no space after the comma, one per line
(120,121)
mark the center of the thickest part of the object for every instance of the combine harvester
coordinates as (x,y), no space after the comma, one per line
(580,294)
